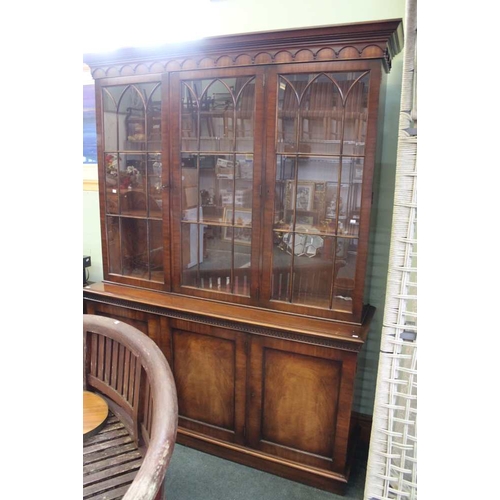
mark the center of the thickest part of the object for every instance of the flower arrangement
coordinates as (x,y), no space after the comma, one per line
(130,178)
(112,165)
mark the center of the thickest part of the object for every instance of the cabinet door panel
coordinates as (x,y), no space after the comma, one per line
(209,368)
(300,401)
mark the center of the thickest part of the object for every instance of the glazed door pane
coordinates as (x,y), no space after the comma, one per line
(133,180)
(321,132)
(217,146)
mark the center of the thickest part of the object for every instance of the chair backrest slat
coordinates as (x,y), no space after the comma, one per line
(127,367)
(114,365)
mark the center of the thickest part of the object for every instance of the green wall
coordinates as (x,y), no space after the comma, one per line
(235,16)
(380,235)
(92,234)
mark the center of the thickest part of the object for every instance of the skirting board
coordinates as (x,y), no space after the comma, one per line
(328,481)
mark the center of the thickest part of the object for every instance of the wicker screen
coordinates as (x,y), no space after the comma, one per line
(392,460)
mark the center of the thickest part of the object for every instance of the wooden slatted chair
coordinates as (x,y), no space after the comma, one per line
(129,456)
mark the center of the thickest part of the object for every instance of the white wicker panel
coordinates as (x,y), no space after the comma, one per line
(392,460)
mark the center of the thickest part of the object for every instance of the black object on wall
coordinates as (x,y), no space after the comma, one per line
(86,263)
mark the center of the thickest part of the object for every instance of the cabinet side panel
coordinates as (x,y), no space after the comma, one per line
(136,319)
(300,401)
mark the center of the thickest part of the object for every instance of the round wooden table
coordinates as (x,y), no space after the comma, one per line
(95,412)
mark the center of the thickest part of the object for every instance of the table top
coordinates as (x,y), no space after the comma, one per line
(95,412)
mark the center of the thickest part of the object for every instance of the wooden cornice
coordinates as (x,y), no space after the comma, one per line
(369,40)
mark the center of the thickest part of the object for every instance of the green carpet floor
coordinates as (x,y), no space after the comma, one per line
(193,475)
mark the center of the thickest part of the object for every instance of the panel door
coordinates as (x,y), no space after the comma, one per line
(319,166)
(216,170)
(300,401)
(131,168)
(209,367)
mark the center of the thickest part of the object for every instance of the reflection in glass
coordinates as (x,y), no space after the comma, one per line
(346,255)
(350,195)
(134,245)
(132,111)
(209,262)
(192,244)
(156,250)
(245,111)
(356,113)
(284,191)
(132,117)
(324,113)
(306,264)
(320,111)
(218,114)
(302,270)
(189,186)
(137,248)
(189,118)
(113,239)
(155,185)
(111,182)
(312,271)
(311,195)
(132,181)
(110,99)
(282,264)
(153,124)
(215,274)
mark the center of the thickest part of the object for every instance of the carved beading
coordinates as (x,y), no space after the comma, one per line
(280,56)
(227,324)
